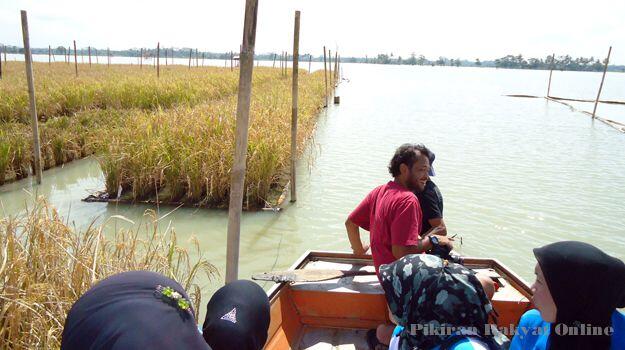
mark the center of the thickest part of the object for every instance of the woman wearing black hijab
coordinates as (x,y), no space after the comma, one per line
(577,290)
(145,310)
(133,310)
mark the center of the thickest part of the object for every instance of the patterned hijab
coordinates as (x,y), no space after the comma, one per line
(425,291)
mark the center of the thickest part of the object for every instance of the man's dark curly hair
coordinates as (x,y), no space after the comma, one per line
(408,154)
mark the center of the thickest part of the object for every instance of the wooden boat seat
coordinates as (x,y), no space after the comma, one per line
(315,338)
(355,284)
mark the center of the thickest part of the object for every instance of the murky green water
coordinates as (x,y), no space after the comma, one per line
(515,173)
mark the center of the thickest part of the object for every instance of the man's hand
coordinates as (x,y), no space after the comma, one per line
(363,251)
(445,241)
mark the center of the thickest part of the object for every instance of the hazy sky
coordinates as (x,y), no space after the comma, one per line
(455,28)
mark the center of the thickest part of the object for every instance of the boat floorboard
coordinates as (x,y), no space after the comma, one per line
(314,338)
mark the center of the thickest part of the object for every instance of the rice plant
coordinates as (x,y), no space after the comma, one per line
(47,265)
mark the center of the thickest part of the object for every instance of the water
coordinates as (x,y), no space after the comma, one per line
(515,173)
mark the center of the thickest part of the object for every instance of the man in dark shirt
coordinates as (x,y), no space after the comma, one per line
(431,201)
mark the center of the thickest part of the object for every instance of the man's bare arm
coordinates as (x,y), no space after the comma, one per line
(438,227)
(353,233)
(423,246)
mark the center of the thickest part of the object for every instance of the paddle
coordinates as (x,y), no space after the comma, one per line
(308,275)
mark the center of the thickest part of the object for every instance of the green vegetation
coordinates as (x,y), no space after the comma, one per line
(47,266)
(170,138)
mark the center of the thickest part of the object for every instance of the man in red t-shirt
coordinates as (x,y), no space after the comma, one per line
(392,215)
(391,212)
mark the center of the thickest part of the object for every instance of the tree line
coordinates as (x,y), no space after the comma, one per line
(564,62)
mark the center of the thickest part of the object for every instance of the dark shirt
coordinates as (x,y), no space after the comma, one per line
(431,201)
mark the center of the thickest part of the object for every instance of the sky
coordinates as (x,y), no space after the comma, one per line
(454,29)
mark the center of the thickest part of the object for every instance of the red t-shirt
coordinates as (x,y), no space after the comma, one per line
(392,215)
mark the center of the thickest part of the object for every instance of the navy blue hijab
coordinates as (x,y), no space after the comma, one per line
(125,311)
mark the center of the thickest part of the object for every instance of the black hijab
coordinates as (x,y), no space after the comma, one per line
(237,317)
(587,285)
(129,311)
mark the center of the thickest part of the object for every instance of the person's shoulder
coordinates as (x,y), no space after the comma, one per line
(469,343)
(618,322)
(531,318)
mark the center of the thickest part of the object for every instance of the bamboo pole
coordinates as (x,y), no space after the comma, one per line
(75,59)
(49,55)
(325,75)
(336,66)
(190,56)
(165,57)
(274,61)
(330,67)
(197,58)
(294,100)
(309,62)
(202,59)
(553,58)
(605,70)
(232,61)
(31,95)
(158,60)
(237,179)
(89,48)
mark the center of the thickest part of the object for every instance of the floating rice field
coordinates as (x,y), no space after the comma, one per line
(167,139)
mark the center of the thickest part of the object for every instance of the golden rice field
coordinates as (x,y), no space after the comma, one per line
(47,265)
(170,139)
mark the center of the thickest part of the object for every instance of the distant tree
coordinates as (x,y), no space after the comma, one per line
(399,60)
(383,59)
(457,62)
(478,62)
(422,60)
(412,60)
(441,61)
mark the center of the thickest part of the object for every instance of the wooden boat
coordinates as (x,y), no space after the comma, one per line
(336,314)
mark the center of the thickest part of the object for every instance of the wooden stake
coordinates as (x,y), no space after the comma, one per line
(89,48)
(274,61)
(605,69)
(330,66)
(553,58)
(31,95)
(294,100)
(75,59)
(158,60)
(309,62)
(232,61)
(202,59)
(336,66)
(190,55)
(237,179)
(325,75)
(49,55)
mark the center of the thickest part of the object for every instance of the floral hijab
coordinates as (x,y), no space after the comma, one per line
(425,292)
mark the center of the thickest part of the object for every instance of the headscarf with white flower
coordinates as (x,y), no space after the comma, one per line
(425,290)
